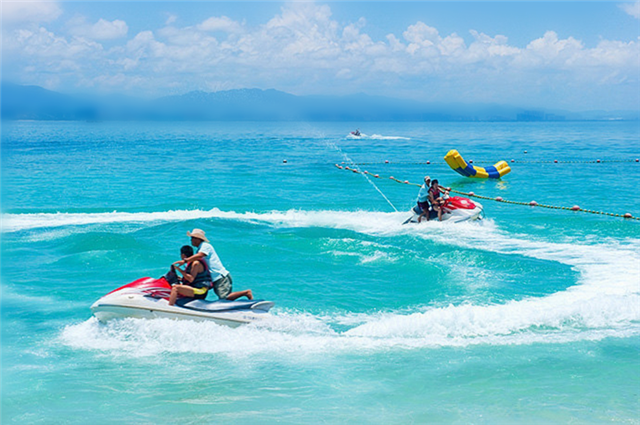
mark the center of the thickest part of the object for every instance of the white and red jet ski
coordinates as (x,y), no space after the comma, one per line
(455,209)
(148,298)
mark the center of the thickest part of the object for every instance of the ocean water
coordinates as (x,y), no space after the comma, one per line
(532,315)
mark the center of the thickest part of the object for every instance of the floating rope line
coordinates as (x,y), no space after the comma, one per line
(497,199)
(518,161)
(346,157)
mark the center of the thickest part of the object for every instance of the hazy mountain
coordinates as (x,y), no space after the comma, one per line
(36,103)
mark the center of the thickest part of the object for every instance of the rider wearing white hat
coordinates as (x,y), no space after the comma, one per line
(198,233)
(222,282)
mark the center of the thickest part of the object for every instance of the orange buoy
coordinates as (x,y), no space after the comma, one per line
(471,194)
(471,161)
(628,215)
(391,177)
(555,160)
(428,162)
(499,199)
(406,182)
(533,203)
(637,159)
(598,161)
(513,160)
(347,168)
(377,176)
(575,208)
(386,161)
(365,172)
(284,161)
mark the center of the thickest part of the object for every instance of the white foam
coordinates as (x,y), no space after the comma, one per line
(18,222)
(302,335)
(605,300)
(380,137)
(376,137)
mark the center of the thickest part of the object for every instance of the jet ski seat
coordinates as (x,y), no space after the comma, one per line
(223,305)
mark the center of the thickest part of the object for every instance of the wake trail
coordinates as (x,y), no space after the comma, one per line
(603,302)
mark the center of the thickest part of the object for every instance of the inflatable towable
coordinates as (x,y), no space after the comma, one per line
(460,166)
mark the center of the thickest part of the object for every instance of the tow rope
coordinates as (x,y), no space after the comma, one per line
(497,199)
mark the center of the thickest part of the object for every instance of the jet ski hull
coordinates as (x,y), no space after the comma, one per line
(456,209)
(145,301)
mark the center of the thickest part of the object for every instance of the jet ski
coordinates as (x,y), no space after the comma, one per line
(148,298)
(356,133)
(455,209)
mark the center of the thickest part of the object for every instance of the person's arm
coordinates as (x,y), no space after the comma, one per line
(444,189)
(196,267)
(195,257)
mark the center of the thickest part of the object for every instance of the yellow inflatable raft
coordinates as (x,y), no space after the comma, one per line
(459,165)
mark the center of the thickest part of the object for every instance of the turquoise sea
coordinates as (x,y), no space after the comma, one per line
(530,316)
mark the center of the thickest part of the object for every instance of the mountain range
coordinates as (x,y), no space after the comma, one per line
(20,102)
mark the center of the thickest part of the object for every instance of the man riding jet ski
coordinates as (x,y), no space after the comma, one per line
(152,298)
(454,209)
(148,298)
(432,205)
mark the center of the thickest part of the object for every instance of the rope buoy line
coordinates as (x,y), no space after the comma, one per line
(555,161)
(497,199)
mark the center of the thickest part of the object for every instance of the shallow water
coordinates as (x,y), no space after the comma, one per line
(530,315)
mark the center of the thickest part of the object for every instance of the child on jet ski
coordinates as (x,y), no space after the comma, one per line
(435,199)
(196,279)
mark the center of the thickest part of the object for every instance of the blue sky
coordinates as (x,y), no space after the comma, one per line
(562,55)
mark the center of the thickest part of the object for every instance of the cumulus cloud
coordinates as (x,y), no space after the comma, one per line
(24,11)
(304,49)
(220,23)
(101,30)
(41,43)
(632,9)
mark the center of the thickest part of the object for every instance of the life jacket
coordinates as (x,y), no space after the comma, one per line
(435,192)
(202,279)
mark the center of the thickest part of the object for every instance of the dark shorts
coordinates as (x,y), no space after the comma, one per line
(424,206)
(222,286)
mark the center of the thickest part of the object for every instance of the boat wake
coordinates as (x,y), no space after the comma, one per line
(604,301)
(363,136)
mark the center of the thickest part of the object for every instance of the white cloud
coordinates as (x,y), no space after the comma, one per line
(304,50)
(24,11)
(221,23)
(421,33)
(42,43)
(101,30)
(632,9)
(171,19)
